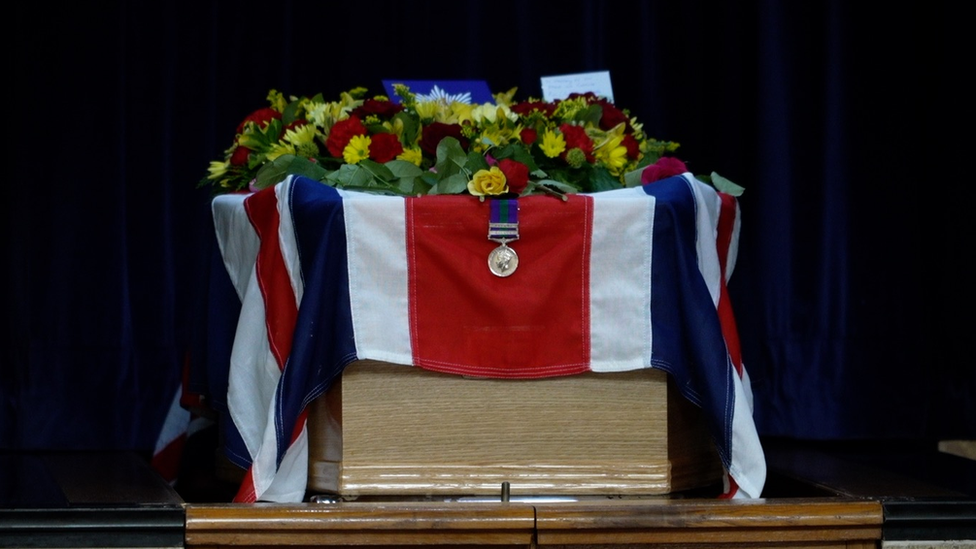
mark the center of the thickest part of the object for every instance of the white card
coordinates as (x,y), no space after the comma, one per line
(559,87)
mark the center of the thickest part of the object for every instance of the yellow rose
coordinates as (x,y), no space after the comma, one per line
(488,182)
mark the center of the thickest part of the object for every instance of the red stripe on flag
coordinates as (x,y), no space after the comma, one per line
(246,493)
(281,312)
(726,225)
(166,462)
(465,320)
(732,489)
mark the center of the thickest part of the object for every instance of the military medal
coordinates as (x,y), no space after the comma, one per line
(503,228)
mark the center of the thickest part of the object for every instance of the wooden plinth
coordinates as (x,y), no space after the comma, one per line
(828,523)
(393,430)
(807,523)
(356,524)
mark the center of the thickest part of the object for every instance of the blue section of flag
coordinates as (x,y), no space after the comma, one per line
(688,340)
(324,343)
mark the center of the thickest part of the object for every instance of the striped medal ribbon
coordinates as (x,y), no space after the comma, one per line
(503,228)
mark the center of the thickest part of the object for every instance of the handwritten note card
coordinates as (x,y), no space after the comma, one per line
(559,87)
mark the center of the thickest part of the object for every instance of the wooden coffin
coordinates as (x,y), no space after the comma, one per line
(394,430)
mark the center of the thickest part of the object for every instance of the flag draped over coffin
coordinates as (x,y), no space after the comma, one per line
(606,282)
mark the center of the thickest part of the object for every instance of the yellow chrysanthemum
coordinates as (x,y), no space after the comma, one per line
(301,135)
(488,182)
(357,150)
(553,144)
(427,110)
(411,155)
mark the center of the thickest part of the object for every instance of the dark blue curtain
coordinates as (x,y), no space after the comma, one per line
(844,123)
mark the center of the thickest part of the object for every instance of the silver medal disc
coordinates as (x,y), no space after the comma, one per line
(503,261)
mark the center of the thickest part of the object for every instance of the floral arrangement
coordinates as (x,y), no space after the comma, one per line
(422,145)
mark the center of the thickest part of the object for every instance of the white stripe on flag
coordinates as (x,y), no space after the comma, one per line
(620,280)
(707,206)
(748,464)
(378,277)
(287,240)
(236,239)
(285,482)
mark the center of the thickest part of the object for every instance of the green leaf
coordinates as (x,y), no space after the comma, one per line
(430,178)
(601,180)
(454,184)
(402,168)
(275,171)
(648,159)
(558,185)
(407,177)
(377,170)
(724,185)
(633,178)
(450,158)
(517,152)
(351,175)
(475,162)
(413,186)
(590,115)
(291,112)
(411,126)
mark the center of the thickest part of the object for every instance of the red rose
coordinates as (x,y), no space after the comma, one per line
(633,148)
(612,116)
(382,109)
(516,174)
(436,131)
(665,167)
(261,117)
(576,138)
(384,147)
(239,158)
(528,107)
(528,136)
(341,133)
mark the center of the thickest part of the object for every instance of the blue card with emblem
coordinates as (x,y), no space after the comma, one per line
(464,91)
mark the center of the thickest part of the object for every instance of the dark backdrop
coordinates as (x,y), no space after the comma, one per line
(845,125)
